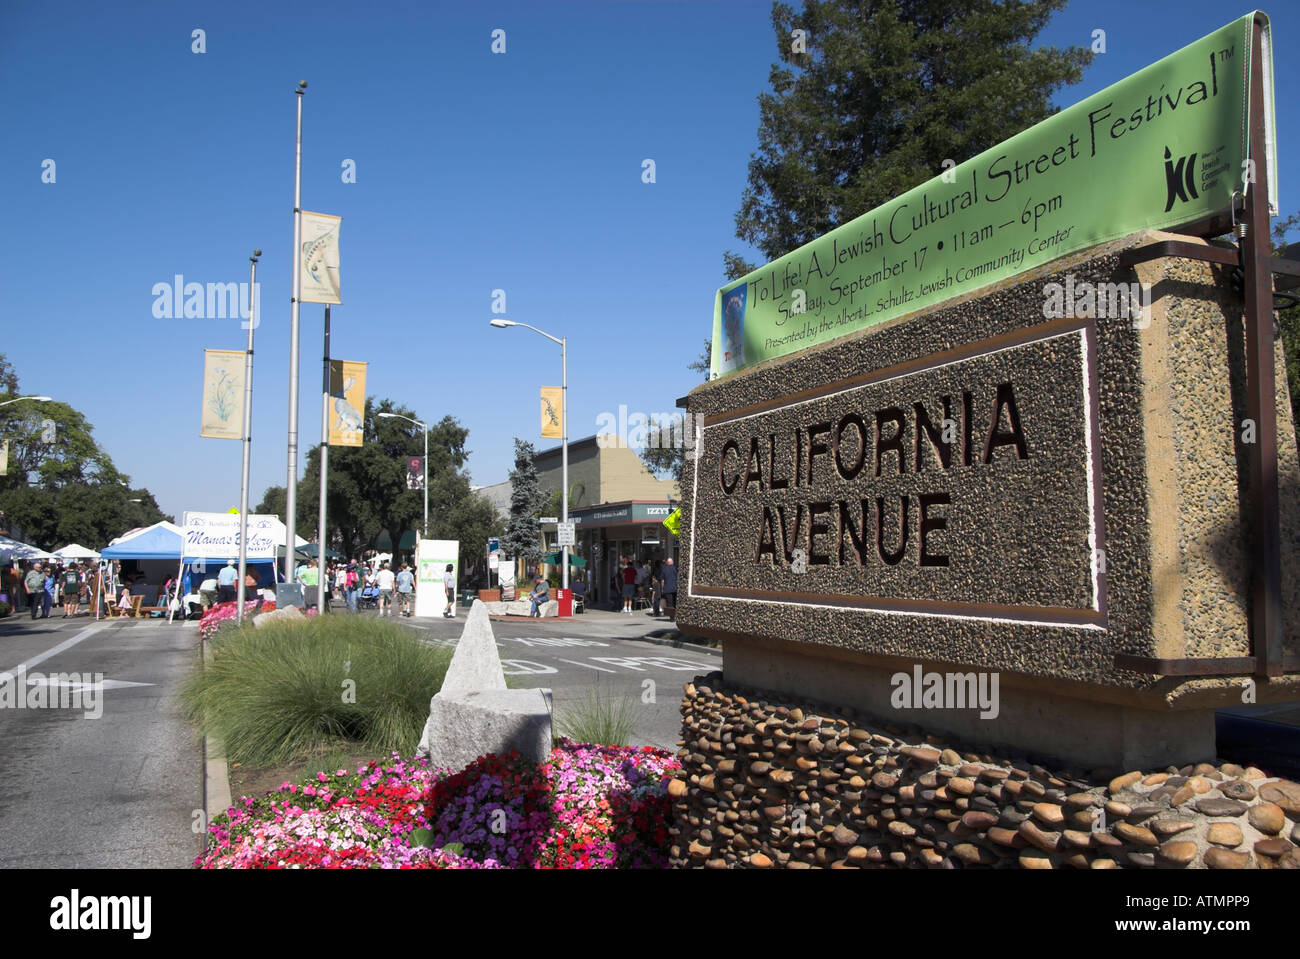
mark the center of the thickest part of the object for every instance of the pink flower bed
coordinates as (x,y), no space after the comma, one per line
(586,807)
(226,613)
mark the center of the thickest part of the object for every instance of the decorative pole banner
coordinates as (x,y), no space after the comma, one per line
(552,411)
(320,258)
(4,459)
(347,402)
(1163,148)
(415,472)
(223,395)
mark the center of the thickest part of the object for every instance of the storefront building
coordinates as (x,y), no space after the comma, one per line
(616,504)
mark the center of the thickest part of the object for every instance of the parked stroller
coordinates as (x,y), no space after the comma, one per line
(368,598)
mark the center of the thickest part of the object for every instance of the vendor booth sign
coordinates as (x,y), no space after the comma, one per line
(431,563)
(216,536)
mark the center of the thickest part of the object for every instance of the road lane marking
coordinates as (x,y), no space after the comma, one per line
(553,641)
(55,650)
(522,668)
(104,684)
(588,665)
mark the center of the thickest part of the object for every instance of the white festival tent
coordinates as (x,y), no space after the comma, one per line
(11,550)
(75,551)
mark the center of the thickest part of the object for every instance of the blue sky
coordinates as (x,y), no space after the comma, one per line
(474,172)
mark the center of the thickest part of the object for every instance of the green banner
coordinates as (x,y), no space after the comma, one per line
(1162,148)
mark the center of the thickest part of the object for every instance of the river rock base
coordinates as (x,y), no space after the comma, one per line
(768,781)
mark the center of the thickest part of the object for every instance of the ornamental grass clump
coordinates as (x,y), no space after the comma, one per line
(277,694)
(598,718)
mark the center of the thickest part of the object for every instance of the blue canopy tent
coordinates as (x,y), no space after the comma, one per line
(161,545)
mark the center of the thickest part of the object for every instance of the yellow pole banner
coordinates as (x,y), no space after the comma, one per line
(347,402)
(320,258)
(223,395)
(552,411)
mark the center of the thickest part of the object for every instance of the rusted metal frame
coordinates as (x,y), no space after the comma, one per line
(1179,248)
(1258,265)
(1256,256)
(1195,251)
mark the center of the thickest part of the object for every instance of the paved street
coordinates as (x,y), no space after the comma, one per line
(598,651)
(109,776)
(113,782)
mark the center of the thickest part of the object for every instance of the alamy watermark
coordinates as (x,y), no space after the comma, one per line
(922,690)
(205,301)
(674,431)
(25,690)
(1108,301)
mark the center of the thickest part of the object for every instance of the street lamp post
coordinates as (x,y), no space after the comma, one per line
(564,430)
(247,444)
(425,427)
(39,399)
(291,484)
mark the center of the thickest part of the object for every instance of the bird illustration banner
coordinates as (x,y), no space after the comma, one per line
(319,258)
(223,395)
(1161,149)
(552,411)
(347,402)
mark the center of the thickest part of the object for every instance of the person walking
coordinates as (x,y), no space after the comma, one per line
(34,583)
(656,586)
(353,586)
(629,585)
(71,581)
(226,580)
(16,590)
(385,579)
(47,597)
(405,591)
(449,586)
(670,588)
(310,579)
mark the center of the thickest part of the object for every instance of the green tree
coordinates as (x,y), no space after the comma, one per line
(368,493)
(668,460)
(878,95)
(61,486)
(522,537)
(1288,318)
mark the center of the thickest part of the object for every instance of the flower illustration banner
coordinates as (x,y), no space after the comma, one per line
(223,395)
(320,258)
(1163,148)
(347,402)
(552,411)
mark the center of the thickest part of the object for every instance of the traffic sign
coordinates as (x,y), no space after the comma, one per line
(549,519)
(564,534)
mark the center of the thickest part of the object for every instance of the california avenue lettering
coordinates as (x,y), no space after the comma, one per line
(896,436)
(957,484)
(1161,148)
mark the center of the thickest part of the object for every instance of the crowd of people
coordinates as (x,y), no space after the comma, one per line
(47,584)
(354,583)
(652,584)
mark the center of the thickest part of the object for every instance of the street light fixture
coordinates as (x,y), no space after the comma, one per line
(564,428)
(425,427)
(39,399)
